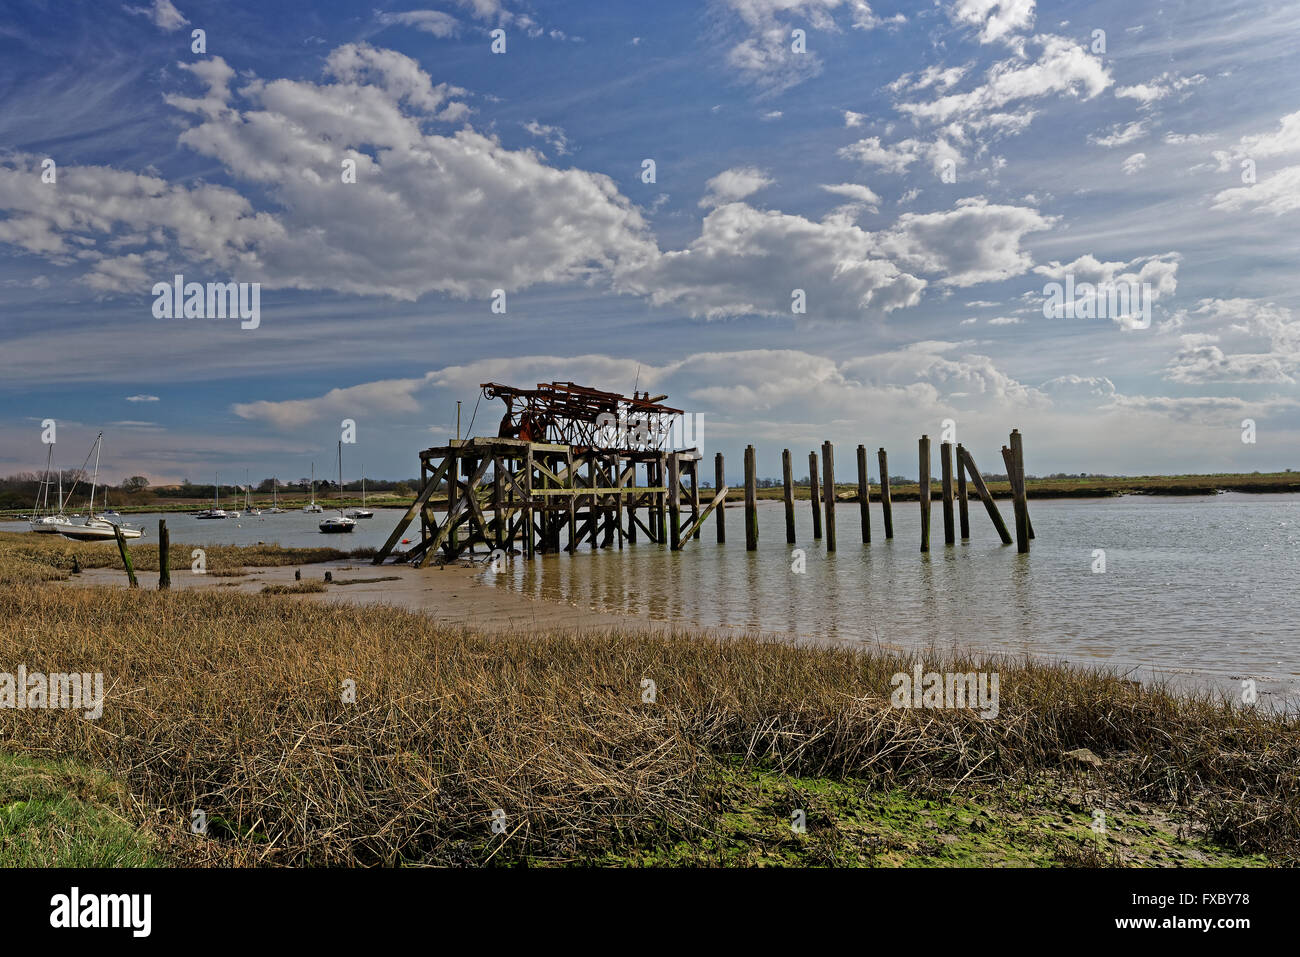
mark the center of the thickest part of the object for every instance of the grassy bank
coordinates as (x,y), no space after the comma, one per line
(237,705)
(25,557)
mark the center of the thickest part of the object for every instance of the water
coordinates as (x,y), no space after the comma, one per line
(1199,586)
(1195,586)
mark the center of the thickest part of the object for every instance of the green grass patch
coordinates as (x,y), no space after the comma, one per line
(60,814)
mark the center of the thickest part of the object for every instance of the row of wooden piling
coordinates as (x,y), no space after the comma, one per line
(953,491)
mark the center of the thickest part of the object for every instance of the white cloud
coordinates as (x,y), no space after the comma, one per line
(1276,194)
(1285,139)
(1202,359)
(385,396)
(553,135)
(1159,88)
(994,18)
(1121,134)
(435,22)
(733,184)
(163,13)
(1134,163)
(142,398)
(748,261)
(972,243)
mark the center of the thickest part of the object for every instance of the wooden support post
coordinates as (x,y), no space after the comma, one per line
(424,518)
(453,493)
(924,479)
(813,494)
(662,499)
(962,510)
(631,505)
(430,486)
(864,494)
(717,502)
(530,548)
(989,505)
(1019,512)
(498,503)
(126,556)
(674,502)
(886,507)
(751,500)
(720,481)
(945,456)
(1017,446)
(787,477)
(828,469)
(695,494)
(164,556)
(618,504)
(571,499)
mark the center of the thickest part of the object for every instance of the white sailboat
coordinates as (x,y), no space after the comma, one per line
(275,497)
(248,502)
(312,506)
(341,523)
(362,512)
(46,520)
(95,528)
(215,511)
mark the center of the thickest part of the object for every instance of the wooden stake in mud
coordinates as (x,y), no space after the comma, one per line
(962,510)
(1017,446)
(1017,500)
(720,480)
(828,467)
(989,505)
(787,476)
(126,556)
(674,502)
(885,505)
(813,494)
(751,500)
(864,495)
(164,556)
(924,447)
(945,456)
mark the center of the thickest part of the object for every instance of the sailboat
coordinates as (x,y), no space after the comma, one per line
(215,511)
(362,512)
(46,520)
(95,528)
(248,503)
(275,497)
(312,506)
(342,523)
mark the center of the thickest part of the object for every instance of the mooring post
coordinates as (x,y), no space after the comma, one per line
(787,478)
(164,556)
(1017,500)
(126,556)
(962,510)
(814,495)
(529,546)
(828,466)
(886,507)
(864,494)
(751,500)
(1017,446)
(945,455)
(674,502)
(662,497)
(695,496)
(618,505)
(719,480)
(985,496)
(571,499)
(924,481)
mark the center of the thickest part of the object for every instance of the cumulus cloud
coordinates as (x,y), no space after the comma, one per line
(1120,134)
(1276,194)
(748,261)
(972,243)
(1285,139)
(1201,357)
(385,396)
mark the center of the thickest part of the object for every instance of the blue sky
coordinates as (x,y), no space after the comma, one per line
(919,171)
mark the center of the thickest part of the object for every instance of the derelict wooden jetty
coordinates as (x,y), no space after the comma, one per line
(572,466)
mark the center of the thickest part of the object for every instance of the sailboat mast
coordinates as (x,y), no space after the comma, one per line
(95,480)
(340,476)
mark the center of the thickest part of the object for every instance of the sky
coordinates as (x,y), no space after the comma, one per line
(803,220)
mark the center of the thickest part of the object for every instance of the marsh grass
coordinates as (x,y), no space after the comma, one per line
(233,704)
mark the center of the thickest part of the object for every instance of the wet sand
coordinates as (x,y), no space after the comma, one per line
(451,594)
